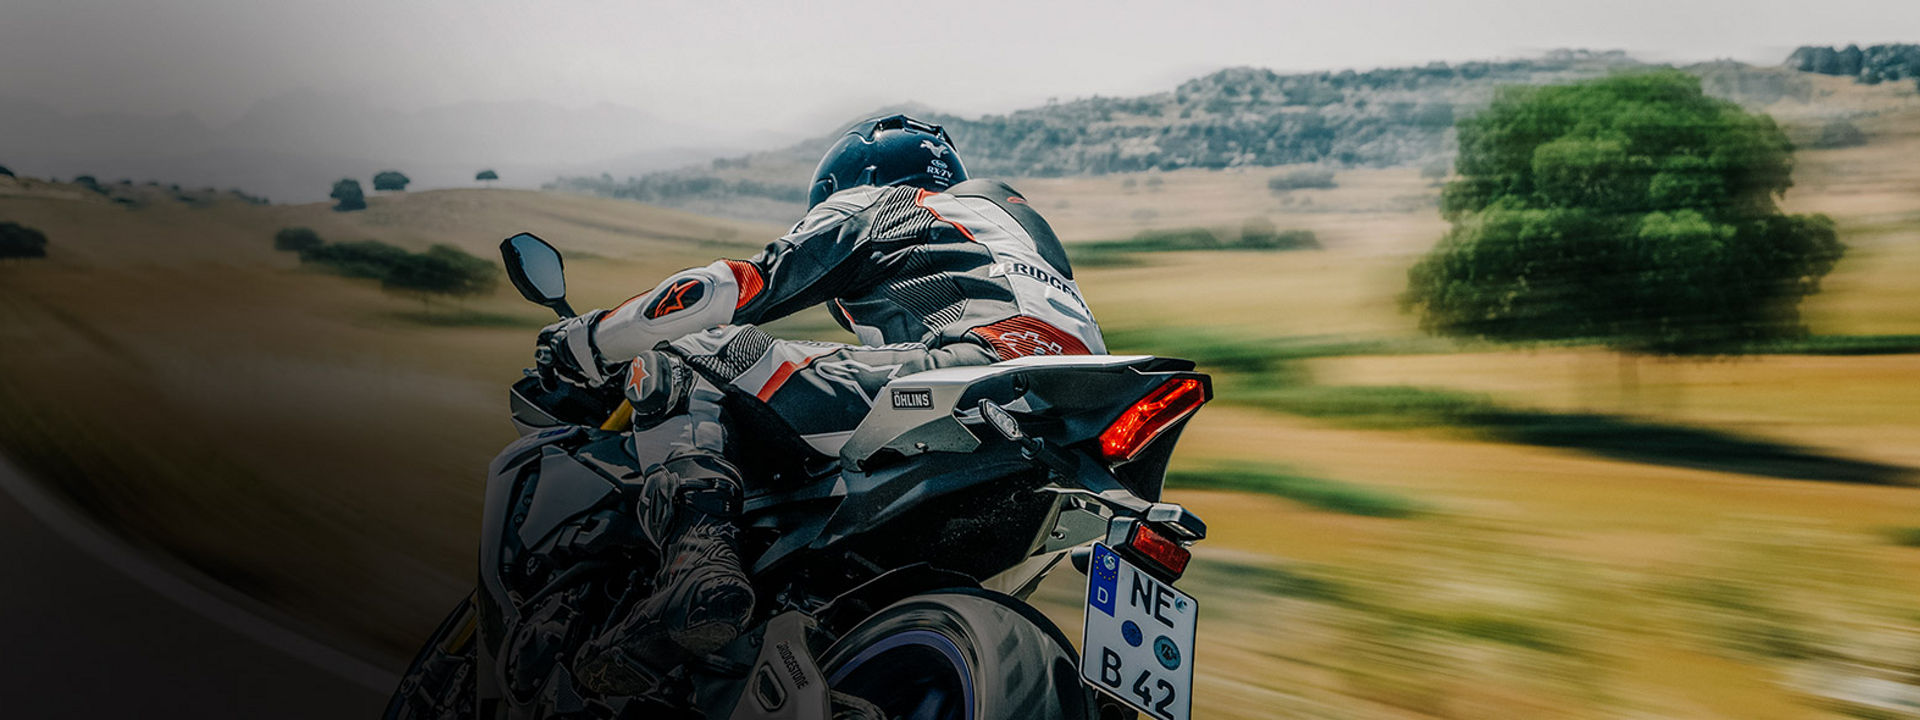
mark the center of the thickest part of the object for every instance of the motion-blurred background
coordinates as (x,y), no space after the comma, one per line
(1553,383)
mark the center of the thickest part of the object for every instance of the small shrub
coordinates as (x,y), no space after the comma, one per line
(1504,630)
(90,183)
(390,181)
(347,192)
(363,259)
(1436,170)
(1838,134)
(1174,239)
(296,240)
(1260,234)
(1331,495)
(1905,536)
(1305,179)
(20,241)
(441,270)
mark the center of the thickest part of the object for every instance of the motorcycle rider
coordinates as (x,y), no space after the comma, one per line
(927,269)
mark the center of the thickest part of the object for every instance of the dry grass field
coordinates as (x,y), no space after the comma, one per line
(318,444)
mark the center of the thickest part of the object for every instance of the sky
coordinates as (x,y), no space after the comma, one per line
(787,69)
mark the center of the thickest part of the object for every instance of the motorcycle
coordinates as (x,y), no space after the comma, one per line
(892,579)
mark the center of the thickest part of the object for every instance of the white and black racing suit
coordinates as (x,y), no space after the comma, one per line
(968,276)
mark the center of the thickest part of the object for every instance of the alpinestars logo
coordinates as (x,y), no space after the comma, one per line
(680,296)
(933,148)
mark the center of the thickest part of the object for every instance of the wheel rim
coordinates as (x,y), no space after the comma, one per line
(913,675)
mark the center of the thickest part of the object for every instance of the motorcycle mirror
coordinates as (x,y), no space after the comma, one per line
(536,271)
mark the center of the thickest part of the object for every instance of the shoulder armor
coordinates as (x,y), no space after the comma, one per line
(1010,200)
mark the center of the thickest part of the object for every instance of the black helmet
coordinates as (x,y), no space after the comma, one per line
(893,150)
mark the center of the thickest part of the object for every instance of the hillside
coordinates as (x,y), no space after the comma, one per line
(290,147)
(316,443)
(114,222)
(306,438)
(1238,118)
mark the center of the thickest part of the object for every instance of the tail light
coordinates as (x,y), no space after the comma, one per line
(1136,428)
(1159,550)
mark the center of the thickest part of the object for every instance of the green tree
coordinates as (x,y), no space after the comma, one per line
(441,270)
(349,195)
(1631,211)
(20,241)
(296,240)
(390,180)
(363,259)
(487,176)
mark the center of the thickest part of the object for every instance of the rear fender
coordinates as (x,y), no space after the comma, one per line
(844,612)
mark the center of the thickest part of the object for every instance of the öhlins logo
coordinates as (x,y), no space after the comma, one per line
(912,398)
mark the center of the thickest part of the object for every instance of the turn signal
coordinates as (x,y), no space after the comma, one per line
(1136,428)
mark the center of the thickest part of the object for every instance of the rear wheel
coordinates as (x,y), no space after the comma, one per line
(440,684)
(960,655)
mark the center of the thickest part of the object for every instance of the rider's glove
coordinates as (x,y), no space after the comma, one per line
(657,385)
(565,350)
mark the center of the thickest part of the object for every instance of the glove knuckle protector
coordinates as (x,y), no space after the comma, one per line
(658,387)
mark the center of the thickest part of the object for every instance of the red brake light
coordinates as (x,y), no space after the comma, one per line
(1162,550)
(1140,424)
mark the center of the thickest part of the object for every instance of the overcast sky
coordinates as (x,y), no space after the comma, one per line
(783,66)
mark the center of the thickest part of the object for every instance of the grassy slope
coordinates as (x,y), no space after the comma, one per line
(287,430)
(297,436)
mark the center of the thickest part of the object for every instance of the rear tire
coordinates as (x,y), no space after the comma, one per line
(960,655)
(440,684)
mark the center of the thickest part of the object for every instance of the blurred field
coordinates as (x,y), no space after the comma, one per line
(319,445)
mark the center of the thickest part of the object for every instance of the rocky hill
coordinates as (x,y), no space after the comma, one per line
(1233,118)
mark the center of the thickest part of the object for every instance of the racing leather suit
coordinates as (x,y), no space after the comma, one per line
(968,276)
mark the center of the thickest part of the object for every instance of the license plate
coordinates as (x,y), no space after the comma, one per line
(1138,645)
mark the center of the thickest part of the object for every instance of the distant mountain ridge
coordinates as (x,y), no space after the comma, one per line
(1237,117)
(293,146)
(1234,118)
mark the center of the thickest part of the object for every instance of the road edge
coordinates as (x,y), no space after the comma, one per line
(234,612)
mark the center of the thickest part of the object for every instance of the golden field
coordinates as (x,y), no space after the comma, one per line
(319,445)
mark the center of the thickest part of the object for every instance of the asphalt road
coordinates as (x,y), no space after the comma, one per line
(92,629)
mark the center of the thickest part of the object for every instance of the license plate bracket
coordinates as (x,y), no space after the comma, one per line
(1138,641)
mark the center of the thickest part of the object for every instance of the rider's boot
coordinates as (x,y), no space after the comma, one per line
(701,598)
